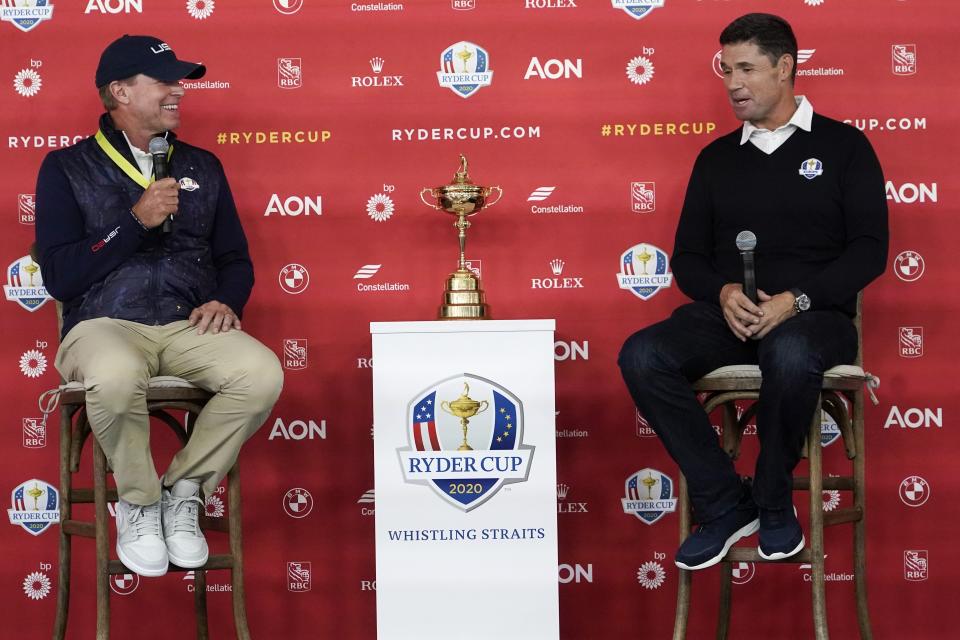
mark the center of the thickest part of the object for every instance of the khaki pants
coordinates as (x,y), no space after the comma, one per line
(114,360)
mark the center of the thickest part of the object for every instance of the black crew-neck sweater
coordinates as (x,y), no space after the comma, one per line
(825,235)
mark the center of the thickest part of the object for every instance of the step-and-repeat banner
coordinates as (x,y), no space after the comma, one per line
(330,116)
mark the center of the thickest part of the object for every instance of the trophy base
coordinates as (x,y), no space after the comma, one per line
(463,298)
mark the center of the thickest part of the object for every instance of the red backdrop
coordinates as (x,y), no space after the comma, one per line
(327,147)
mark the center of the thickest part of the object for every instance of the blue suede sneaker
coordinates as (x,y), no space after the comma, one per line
(780,534)
(710,542)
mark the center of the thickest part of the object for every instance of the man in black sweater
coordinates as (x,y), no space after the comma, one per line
(812,191)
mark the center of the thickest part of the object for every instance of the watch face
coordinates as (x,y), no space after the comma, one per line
(803,302)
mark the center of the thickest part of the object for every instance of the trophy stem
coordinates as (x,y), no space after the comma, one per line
(462,224)
(464,446)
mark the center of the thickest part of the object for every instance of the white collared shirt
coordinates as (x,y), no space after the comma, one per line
(144,159)
(769,141)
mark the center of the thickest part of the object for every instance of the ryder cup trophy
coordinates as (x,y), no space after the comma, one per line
(462,297)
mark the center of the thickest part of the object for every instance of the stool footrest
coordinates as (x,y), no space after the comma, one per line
(224,561)
(843,516)
(841,483)
(750,554)
(78,528)
(86,495)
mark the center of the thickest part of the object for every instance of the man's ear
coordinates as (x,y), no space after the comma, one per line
(120,92)
(785,65)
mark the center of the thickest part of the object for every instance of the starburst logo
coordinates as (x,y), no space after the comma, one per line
(380,207)
(36,586)
(214,507)
(831,499)
(33,363)
(200,9)
(27,83)
(651,575)
(640,70)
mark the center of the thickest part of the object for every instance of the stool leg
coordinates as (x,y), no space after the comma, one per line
(726,600)
(66,513)
(816,527)
(102,541)
(683,576)
(236,551)
(860,526)
(200,602)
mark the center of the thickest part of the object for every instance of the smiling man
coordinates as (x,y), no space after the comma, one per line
(142,298)
(811,190)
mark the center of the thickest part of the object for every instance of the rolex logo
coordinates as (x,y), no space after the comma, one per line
(562,490)
(376,63)
(556,265)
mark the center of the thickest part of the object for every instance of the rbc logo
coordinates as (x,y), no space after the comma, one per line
(643,196)
(294,354)
(299,576)
(911,342)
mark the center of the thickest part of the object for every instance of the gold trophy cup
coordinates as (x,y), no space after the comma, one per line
(464,408)
(462,297)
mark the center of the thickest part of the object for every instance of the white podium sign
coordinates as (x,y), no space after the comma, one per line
(465,480)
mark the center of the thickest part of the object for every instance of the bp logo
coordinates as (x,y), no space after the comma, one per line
(649,495)
(637,9)
(644,270)
(464,69)
(25,284)
(465,437)
(35,505)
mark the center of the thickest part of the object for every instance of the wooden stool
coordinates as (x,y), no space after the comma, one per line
(163,393)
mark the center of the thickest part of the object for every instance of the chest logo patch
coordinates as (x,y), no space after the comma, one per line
(811,168)
(189,184)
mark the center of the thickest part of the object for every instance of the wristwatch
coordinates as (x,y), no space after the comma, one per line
(801,301)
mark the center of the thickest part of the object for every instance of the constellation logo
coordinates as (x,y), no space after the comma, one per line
(554,69)
(36,586)
(298,503)
(804,56)
(540,194)
(651,575)
(643,197)
(26,208)
(298,576)
(26,14)
(908,265)
(294,206)
(568,507)
(124,584)
(33,363)
(649,495)
(640,68)
(34,433)
(368,497)
(908,193)
(200,9)
(903,59)
(378,80)
(294,278)
(914,491)
(465,68)
(294,353)
(637,9)
(287,7)
(916,565)
(290,73)
(114,6)
(914,418)
(567,573)
(911,342)
(28,82)
(366,271)
(556,266)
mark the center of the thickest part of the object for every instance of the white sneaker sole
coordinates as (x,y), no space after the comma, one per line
(747,530)
(137,569)
(192,563)
(781,555)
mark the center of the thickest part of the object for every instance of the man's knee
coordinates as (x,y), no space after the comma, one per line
(640,353)
(791,355)
(259,377)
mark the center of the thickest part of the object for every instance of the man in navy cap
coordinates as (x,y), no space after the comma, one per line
(143,298)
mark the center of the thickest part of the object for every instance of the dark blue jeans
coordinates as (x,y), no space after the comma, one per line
(659,363)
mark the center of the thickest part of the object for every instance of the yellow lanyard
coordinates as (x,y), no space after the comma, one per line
(122,162)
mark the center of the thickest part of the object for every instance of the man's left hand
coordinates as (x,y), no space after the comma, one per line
(776,309)
(215,316)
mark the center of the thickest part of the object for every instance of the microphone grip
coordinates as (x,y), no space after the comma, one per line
(161,171)
(749,277)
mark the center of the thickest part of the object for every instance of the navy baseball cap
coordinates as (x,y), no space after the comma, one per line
(129,55)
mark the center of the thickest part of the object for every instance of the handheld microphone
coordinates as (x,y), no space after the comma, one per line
(159,148)
(746,243)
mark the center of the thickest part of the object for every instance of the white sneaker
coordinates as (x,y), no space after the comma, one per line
(139,542)
(186,545)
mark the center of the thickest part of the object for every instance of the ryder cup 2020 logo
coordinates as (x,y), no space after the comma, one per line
(26,14)
(466,440)
(644,270)
(649,495)
(25,284)
(637,9)
(35,505)
(464,69)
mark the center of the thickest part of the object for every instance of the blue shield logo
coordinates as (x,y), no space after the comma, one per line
(35,505)
(465,68)
(26,14)
(648,494)
(644,270)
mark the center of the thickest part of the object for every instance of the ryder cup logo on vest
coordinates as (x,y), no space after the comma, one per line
(637,9)
(466,440)
(464,69)
(26,14)
(641,277)
(25,284)
(649,495)
(811,168)
(35,505)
